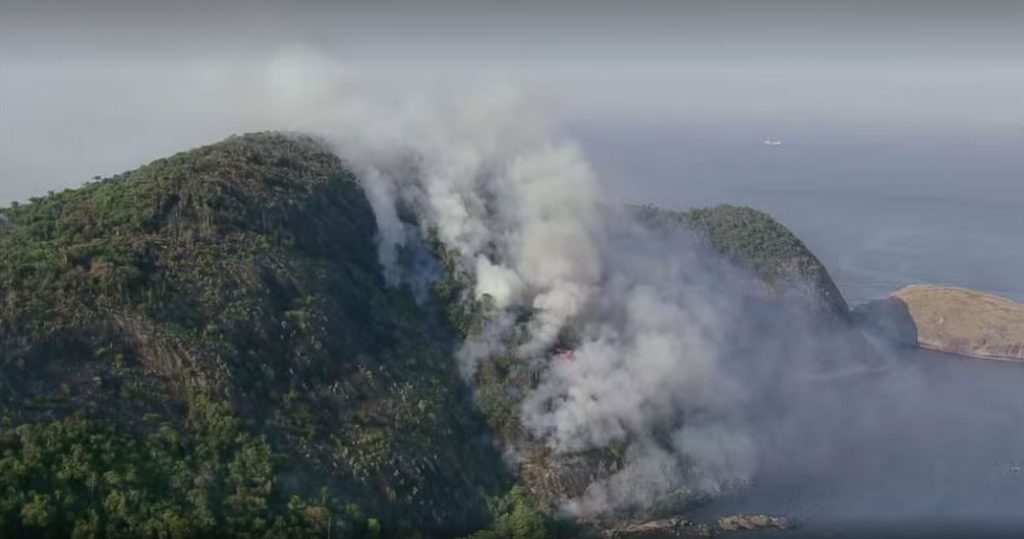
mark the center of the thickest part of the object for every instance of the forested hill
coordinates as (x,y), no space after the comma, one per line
(205,346)
(754,240)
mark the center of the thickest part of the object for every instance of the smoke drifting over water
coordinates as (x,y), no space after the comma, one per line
(696,386)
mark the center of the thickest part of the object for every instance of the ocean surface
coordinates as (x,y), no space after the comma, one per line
(881,209)
(934,446)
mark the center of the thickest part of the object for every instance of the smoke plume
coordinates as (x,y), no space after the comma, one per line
(676,366)
(646,307)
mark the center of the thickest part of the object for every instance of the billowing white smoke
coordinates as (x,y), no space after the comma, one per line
(534,227)
(648,374)
(530,222)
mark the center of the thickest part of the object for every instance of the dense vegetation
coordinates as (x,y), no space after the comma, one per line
(74,476)
(754,240)
(205,345)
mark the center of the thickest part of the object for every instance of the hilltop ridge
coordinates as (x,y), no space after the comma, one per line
(226,305)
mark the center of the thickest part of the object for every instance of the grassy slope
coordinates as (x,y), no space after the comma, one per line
(227,298)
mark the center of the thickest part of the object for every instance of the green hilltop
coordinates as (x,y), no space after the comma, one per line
(754,240)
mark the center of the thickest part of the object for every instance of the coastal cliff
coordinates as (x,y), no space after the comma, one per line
(949,319)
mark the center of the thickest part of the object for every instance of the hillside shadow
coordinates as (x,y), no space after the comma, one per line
(889,318)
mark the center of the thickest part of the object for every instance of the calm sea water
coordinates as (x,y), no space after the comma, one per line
(937,442)
(880,209)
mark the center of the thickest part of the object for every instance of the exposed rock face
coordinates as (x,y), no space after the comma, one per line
(751,522)
(949,319)
(680,526)
(889,318)
(666,527)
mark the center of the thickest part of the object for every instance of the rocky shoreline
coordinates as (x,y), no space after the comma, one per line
(948,319)
(681,526)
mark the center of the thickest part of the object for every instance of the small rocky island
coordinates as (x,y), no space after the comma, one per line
(949,319)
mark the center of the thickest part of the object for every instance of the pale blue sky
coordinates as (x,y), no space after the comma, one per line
(97,87)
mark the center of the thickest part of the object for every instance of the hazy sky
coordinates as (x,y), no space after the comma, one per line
(96,87)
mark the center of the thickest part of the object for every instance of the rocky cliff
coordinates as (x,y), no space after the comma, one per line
(949,319)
